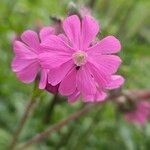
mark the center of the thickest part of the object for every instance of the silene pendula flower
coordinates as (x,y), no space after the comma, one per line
(26,62)
(141,113)
(82,69)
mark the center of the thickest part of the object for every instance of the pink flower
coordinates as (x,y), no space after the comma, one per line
(26,62)
(81,68)
(140,114)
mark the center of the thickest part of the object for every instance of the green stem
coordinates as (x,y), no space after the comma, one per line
(24,117)
(50,108)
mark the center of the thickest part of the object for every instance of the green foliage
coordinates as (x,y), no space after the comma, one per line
(104,128)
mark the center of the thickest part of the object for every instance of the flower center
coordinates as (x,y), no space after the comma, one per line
(79,58)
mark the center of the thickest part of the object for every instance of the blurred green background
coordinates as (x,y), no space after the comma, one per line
(103,128)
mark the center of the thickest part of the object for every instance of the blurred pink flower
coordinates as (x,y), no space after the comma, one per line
(140,115)
(82,69)
(26,61)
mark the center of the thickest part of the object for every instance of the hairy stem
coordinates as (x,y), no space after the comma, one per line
(23,119)
(21,124)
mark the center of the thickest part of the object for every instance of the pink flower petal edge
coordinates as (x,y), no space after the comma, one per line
(26,61)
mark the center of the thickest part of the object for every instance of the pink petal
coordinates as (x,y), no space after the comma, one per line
(18,63)
(99,76)
(31,39)
(55,43)
(74,97)
(89,98)
(90,28)
(85,82)
(64,38)
(108,45)
(68,84)
(109,63)
(52,60)
(43,80)
(56,75)
(100,96)
(116,82)
(72,28)
(23,51)
(46,31)
(28,74)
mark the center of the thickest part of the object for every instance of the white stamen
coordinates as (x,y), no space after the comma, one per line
(79,58)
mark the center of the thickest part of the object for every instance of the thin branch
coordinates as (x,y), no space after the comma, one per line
(56,126)
(137,94)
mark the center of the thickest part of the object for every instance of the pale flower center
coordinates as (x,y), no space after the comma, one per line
(79,58)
